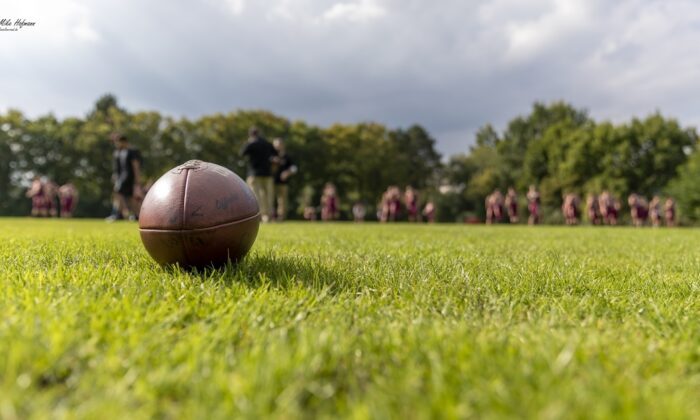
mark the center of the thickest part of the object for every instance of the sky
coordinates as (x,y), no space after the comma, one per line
(449,65)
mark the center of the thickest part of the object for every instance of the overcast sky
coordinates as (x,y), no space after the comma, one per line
(449,65)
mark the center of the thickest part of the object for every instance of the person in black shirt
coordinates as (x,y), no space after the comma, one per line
(126,174)
(260,153)
(284,169)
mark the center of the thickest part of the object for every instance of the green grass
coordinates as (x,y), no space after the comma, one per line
(354,321)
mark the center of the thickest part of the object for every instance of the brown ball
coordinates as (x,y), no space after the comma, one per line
(199,214)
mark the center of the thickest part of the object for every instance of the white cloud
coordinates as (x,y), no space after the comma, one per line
(85,32)
(235,6)
(530,37)
(283,9)
(360,11)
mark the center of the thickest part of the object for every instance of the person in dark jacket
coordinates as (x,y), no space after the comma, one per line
(126,163)
(259,154)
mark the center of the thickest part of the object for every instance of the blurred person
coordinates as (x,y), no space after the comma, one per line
(638,209)
(284,168)
(533,205)
(330,208)
(632,203)
(643,209)
(390,204)
(614,210)
(603,206)
(411,202)
(358,212)
(383,208)
(310,213)
(609,208)
(494,207)
(655,211)
(593,209)
(570,209)
(68,197)
(126,175)
(37,194)
(429,211)
(670,212)
(511,202)
(487,209)
(51,194)
(394,203)
(260,153)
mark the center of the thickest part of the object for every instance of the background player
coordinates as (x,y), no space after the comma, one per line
(260,153)
(284,169)
(126,174)
(68,197)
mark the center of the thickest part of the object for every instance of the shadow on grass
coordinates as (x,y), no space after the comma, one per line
(268,270)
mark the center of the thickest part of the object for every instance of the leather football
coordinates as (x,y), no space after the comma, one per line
(199,214)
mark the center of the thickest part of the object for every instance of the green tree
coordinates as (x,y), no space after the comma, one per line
(685,188)
(521,132)
(415,156)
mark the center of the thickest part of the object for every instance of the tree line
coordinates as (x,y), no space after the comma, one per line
(557,147)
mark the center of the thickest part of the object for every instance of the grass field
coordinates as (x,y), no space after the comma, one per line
(354,321)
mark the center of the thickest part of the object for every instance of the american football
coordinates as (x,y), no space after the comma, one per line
(199,214)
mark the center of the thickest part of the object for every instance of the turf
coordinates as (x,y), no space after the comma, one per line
(342,320)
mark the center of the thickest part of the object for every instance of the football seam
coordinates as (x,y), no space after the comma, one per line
(184,200)
(246,219)
(185,251)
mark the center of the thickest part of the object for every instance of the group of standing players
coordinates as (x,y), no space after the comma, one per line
(50,200)
(394,206)
(602,209)
(498,206)
(269,171)
(127,193)
(270,167)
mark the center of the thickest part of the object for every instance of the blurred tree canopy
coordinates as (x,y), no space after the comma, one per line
(556,147)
